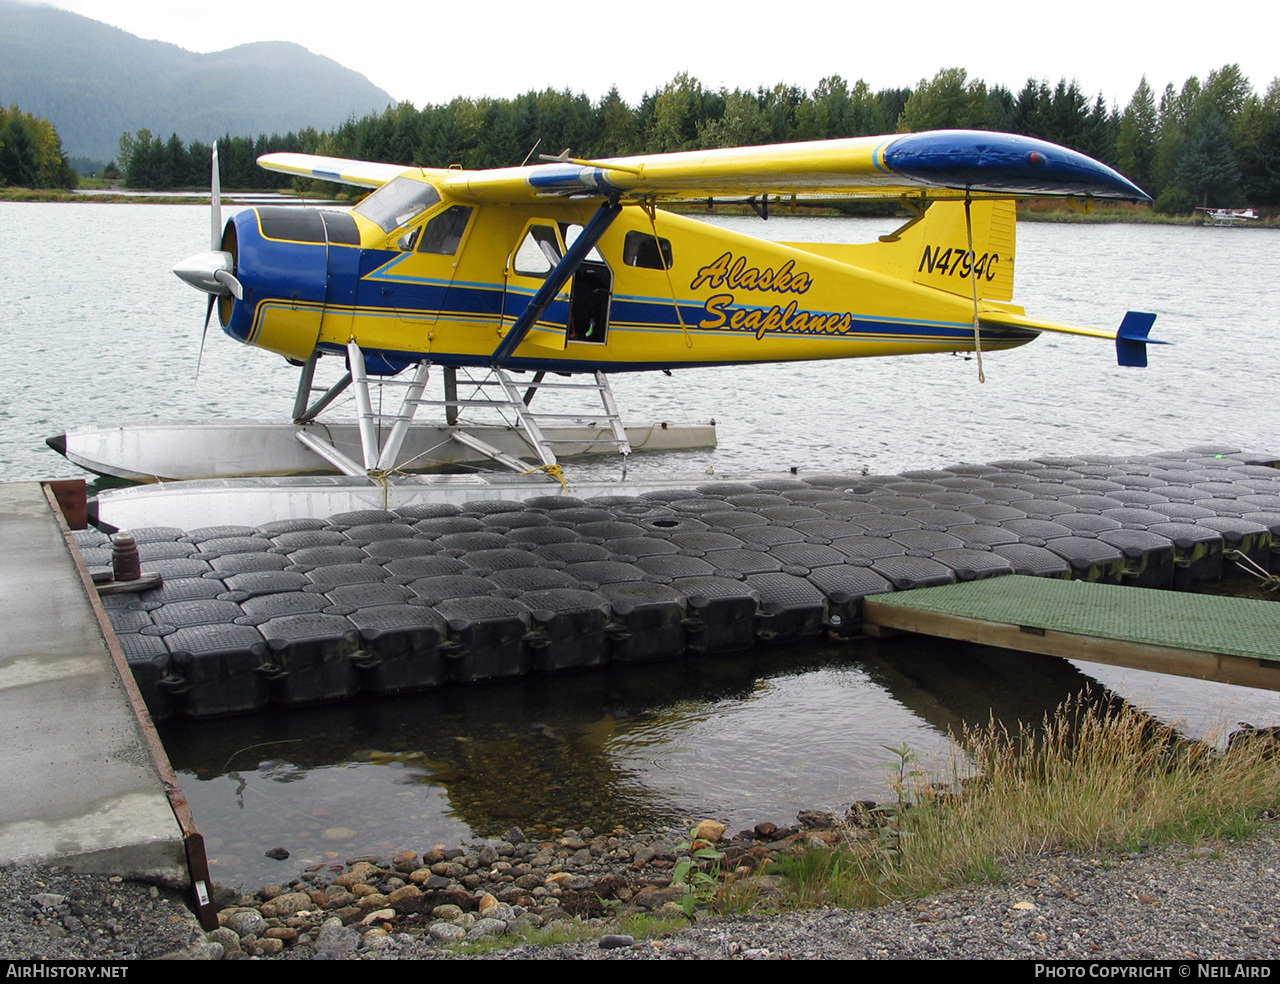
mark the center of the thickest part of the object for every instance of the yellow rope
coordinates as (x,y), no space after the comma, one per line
(651,211)
(555,471)
(973,282)
(381,478)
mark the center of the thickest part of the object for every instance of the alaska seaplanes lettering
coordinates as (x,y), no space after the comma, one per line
(734,273)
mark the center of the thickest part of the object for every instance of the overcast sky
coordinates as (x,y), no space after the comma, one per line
(429,52)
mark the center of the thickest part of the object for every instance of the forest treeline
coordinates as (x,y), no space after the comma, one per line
(1215,142)
(31,153)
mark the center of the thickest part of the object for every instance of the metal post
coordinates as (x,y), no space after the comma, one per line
(305,379)
(364,409)
(450,395)
(400,429)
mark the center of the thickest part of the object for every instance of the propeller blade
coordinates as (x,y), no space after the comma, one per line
(208,313)
(215,204)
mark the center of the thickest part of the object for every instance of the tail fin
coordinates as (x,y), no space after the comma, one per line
(933,250)
(942,256)
(1132,340)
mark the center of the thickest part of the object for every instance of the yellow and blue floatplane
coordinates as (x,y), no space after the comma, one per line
(570,267)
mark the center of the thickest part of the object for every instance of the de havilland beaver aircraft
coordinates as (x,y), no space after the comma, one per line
(569,268)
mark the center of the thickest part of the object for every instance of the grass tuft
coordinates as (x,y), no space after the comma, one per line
(1090,778)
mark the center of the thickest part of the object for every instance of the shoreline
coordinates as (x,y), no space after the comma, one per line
(1035,211)
(1174,902)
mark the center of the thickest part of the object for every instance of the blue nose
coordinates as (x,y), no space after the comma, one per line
(281,265)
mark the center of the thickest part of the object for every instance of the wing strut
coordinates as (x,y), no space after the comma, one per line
(556,279)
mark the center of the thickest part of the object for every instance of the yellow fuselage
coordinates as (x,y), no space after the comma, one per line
(658,291)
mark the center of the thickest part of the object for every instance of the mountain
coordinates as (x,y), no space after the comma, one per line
(94,82)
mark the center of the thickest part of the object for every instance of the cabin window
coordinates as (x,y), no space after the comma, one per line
(571,232)
(539,252)
(443,234)
(642,249)
(397,202)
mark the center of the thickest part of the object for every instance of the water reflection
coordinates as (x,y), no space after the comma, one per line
(743,738)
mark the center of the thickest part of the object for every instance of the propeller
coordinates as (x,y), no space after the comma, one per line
(212,272)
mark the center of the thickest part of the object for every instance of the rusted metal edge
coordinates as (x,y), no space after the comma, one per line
(193,840)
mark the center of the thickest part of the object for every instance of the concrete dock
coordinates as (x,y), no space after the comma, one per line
(80,785)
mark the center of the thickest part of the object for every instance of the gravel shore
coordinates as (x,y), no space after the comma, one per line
(1211,902)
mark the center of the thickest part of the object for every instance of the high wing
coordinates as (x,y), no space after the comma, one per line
(363,174)
(933,165)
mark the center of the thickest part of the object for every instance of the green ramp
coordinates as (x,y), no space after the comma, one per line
(1207,637)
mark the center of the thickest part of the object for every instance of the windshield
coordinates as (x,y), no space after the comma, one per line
(396,202)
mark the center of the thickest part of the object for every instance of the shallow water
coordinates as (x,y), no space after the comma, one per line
(95,328)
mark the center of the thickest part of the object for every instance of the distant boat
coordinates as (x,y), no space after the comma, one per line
(1228,216)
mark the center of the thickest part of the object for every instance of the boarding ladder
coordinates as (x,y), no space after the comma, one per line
(498,393)
(503,395)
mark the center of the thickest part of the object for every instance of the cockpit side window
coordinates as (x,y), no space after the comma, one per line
(397,202)
(443,234)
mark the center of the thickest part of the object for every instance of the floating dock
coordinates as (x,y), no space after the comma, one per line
(302,610)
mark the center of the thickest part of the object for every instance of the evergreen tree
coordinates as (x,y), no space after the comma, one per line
(675,122)
(1136,141)
(438,137)
(1031,109)
(18,155)
(947,101)
(1208,169)
(618,135)
(1002,110)
(1102,133)
(173,165)
(1175,120)
(744,123)
(1067,118)
(1172,151)
(1259,154)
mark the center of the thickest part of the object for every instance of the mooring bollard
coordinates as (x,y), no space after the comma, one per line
(126,565)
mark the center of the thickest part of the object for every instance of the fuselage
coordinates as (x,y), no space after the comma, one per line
(412,274)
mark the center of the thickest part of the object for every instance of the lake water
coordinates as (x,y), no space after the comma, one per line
(94,327)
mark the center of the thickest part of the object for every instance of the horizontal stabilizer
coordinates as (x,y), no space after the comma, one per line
(1132,340)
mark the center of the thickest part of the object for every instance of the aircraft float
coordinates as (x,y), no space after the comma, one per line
(568,270)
